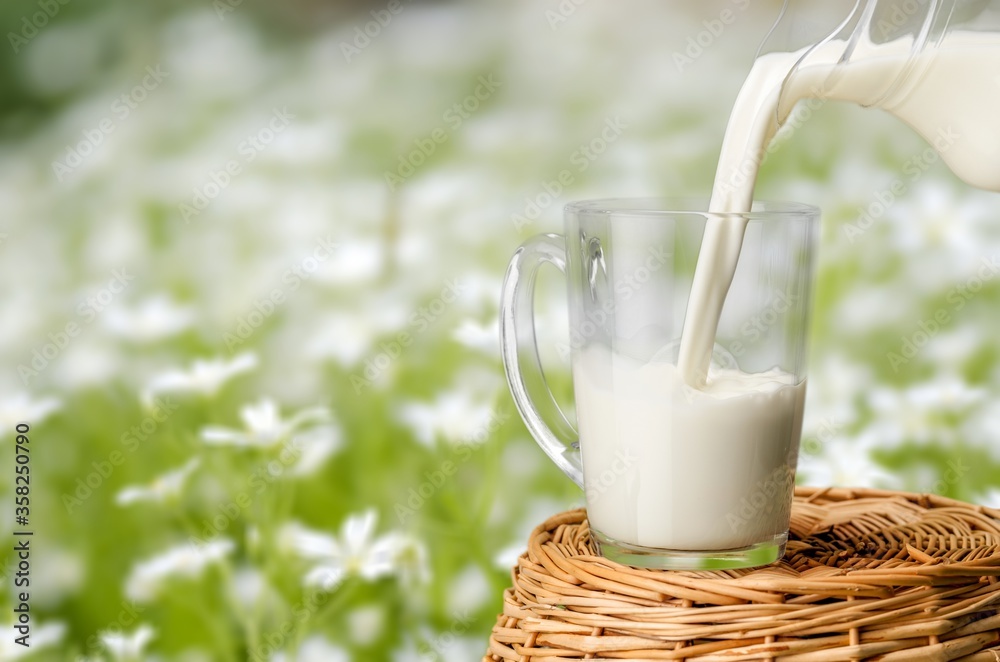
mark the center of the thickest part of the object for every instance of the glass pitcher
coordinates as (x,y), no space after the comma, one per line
(935,64)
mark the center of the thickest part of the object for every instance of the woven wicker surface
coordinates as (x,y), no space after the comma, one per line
(868,575)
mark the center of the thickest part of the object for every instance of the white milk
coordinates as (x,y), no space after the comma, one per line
(672,467)
(752,125)
(951,97)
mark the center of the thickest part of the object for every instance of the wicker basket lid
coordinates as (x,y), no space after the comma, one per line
(868,575)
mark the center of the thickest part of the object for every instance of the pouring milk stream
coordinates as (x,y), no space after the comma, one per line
(950,94)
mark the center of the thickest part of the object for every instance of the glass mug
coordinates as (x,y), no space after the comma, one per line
(674,477)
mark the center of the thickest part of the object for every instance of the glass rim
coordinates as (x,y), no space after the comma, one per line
(675,206)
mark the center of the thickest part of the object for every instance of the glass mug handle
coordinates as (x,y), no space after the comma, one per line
(519,347)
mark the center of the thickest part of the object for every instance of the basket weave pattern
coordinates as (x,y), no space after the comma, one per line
(868,575)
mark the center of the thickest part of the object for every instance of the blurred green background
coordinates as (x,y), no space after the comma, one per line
(251,262)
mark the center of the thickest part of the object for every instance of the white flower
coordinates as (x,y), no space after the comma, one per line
(316,446)
(409,653)
(366,624)
(59,573)
(248,585)
(506,558)
(412,565)
(538,510)
(870,307)
(464,414)
(482,337)
(448,647)
(264,427)
(982,427)
(946,233)
(315,649)
(42,636)
(355,552)
(89,362)
(252,593)
(166,487)
(357,261)
(204,376)
(938,218)
(346,336)
(128,648)
(445,645)
(845,465)
(155,318)
(923,413)
(834,386)
(480,288)
(23,408)
(954,348)
(455,416)
(343,337)
(470,590)
(991,499)
(187,561)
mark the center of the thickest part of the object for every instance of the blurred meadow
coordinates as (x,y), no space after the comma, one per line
(252,254)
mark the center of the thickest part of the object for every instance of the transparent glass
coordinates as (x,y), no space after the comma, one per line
(674,478)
